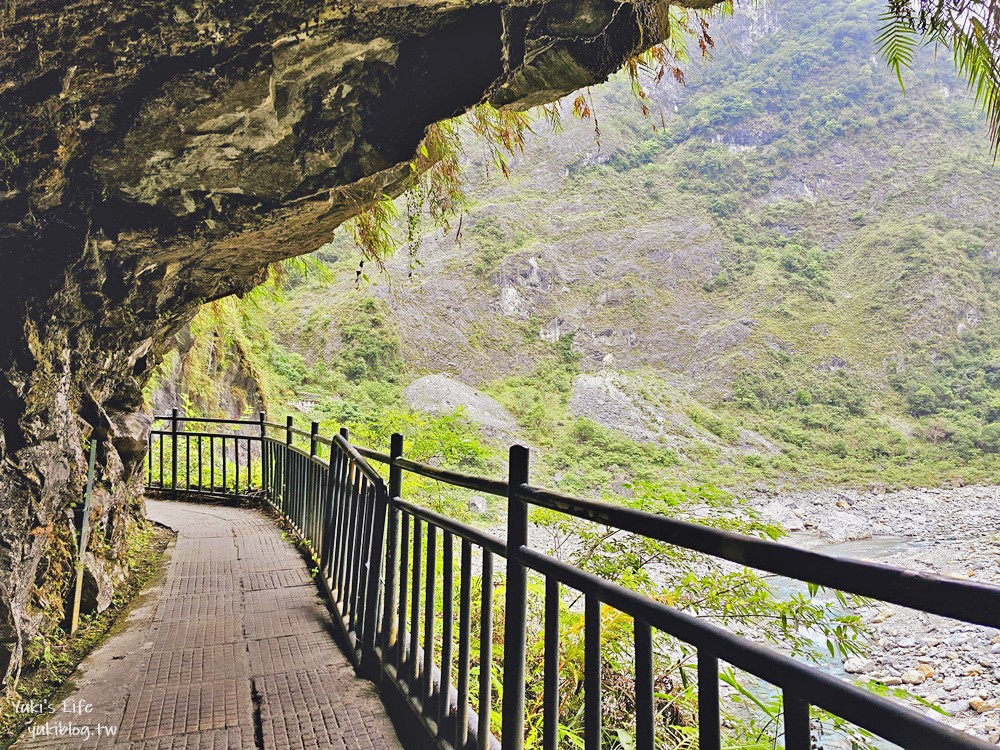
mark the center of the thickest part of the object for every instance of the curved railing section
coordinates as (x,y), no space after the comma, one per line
(388,565)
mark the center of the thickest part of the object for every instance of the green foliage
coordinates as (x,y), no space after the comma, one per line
(807,264)
(897,42)
(717,426)
(370,344)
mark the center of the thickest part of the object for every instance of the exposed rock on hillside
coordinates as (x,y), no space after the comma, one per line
(153,157)
(439,394)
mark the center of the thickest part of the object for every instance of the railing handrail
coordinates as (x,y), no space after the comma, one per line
(972,602)
(208,420)
(810,684)
(925,591)
(803,684)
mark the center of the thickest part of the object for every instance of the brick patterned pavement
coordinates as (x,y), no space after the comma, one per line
(235,652)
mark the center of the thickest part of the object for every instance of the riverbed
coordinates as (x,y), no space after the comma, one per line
(953,532)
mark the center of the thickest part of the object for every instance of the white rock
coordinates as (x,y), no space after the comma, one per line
(776,512)
(857,665)
(913,677)
(440,394)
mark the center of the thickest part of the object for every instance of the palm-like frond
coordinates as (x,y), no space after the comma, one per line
(975,54)
(970,29)
(897,41)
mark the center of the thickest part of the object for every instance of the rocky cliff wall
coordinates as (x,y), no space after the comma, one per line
(154,156)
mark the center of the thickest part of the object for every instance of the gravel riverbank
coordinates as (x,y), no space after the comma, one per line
(953,532)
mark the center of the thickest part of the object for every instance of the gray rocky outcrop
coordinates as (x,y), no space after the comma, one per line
(440,394)
(157,156)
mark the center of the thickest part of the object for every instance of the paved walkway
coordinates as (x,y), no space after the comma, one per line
(232,649)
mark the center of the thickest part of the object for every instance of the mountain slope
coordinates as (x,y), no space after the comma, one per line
(787,273)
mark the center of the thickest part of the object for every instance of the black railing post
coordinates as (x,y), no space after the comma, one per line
(309,505)
(708,701)
(173,453)
(516,615)
(391,596)
(326,555)
(370,623)
(264,471)
(287,463)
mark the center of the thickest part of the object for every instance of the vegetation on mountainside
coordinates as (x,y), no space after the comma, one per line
(855,375)
(872,358)
(968,29)
(846,234)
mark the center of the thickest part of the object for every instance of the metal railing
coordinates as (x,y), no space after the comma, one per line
(387,564)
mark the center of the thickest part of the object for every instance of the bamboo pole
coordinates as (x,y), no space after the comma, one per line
(84,538)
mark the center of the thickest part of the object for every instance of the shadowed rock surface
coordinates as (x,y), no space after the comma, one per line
(154,157)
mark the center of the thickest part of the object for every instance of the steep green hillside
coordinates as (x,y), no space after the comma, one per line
(786,274)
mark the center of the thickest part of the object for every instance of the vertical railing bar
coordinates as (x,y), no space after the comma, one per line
(225,461)
(644,717)
(286,477)
(798,735)
(294,498)
(447,614)
(293,488)
(516,610)
(311,486)
(352,547)
(347,529)
(709,730)
(187,464)
(311,504)
(365,539)
(464,646)
(236,460)
(592,673)
(265,472)
(402,655)
(414,671)
(357,579)
(173,453)
(550,692)
(340,509)
(340,520)
(299,494)
(391,588)
(380,507)
(319,506)
(429,602)
(328,516)
(485,654)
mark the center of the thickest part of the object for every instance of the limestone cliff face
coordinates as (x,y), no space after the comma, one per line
(154,156)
